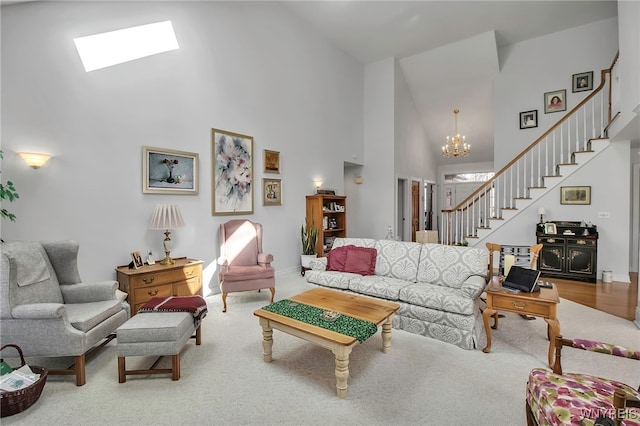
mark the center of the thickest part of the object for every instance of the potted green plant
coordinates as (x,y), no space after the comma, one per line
(309,236)
(7,192)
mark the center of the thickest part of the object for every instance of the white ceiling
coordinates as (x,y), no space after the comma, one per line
(415,32)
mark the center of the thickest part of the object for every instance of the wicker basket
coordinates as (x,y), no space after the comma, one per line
(19,400)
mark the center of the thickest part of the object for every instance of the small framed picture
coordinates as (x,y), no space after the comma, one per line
(271,161)
(555,101)
(137,259)
(550,228)
(529,119)
(271,192)
(582,81)
(580,195)
(167,171)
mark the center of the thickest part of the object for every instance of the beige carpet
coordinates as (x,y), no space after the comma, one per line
(422,381)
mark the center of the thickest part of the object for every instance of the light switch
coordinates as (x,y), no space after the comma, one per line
(603,215)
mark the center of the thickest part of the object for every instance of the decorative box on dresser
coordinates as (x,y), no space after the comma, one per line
(183,278)
(570,253)
(328,213)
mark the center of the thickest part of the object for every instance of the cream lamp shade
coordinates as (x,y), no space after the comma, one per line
(166,216)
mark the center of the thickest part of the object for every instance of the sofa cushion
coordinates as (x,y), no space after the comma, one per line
(85,316)
(375,285)
(332,279)
(398,259)
(337,257)
(450,266)
(244,273)
(359,242)
(437,297)
(360,260)
(436,316)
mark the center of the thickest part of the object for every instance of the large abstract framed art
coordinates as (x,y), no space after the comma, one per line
(232,186)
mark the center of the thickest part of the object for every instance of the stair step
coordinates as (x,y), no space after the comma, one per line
(536,187)
(568,164)
(522,198)
(552,176)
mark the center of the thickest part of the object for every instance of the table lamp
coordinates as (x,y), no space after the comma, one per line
(166,216)
(541,212)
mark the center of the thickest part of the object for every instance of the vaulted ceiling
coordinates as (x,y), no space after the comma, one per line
(448,50)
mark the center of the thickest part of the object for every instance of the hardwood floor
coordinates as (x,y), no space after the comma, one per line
(616,298)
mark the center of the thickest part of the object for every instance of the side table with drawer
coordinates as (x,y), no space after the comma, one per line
(183,278)
(543,303)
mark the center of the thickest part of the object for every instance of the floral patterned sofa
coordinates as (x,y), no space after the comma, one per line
(437,286)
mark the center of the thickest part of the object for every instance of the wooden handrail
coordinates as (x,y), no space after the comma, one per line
(539,139)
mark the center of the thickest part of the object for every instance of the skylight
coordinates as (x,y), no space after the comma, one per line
(115,47)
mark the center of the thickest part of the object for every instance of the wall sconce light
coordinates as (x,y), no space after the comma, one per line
(317,183)
(358,180)
(34,160)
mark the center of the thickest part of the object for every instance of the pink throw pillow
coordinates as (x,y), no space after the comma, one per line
(336,258)
(361,260)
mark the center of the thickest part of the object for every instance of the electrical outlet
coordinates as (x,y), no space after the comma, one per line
(603,215)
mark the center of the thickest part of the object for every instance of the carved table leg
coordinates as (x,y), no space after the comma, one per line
(553,329)
(267,340)
(486,318)
(342,369)
(386,334)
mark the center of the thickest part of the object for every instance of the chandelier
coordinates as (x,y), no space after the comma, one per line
(456,145)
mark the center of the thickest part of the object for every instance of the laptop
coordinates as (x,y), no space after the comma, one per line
(522,279)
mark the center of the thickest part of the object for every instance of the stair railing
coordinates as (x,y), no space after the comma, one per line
(573,133)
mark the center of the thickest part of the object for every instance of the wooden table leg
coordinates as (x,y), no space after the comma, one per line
(553,329)
(486,318)
(342,369)
(386,334)
(267,339)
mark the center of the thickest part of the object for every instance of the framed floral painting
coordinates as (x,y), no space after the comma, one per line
(232,173)
(271,192)
(166,171)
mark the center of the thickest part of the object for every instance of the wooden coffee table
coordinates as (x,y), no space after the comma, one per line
(376,311)
(542,303)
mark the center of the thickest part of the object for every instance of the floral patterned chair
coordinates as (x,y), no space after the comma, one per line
(554,398)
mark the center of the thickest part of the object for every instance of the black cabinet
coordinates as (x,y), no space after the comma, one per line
(570,253)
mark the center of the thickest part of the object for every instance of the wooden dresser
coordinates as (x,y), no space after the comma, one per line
(183,278)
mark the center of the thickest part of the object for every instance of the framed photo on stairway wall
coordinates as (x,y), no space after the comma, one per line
(582,82)
(529,119)
(555,101)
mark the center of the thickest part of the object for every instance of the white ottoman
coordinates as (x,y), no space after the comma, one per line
(156,334)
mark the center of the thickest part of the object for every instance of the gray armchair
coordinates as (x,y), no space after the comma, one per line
(48,311)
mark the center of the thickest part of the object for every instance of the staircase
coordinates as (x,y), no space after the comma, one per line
(570,144)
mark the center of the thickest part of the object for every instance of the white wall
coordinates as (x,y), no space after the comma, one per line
(413,155)
(545,64)
(250,68)
(376,193)
(520,87)
(629,65)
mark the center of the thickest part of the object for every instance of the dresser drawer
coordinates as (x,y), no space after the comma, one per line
(189,287)
(512,304)
(164,277)
(143,294)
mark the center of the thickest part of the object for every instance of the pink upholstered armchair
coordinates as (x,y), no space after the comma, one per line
(243,265)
